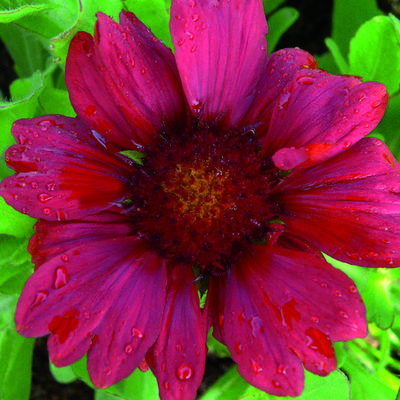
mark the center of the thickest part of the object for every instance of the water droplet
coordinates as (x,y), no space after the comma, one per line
(178,347)
(256,368)
(24,210)
(61,277)
(46,211)
(51,186)
(366,124)
(143,70)
(137,333)
(40,297)
(34,185)
(190,35)
(376,104)
(337,293)
(193,49)
(315,320)
(352,289)
(305,80)
(238,348)
(362,97)
(128,349)
(166,385)
(389,261)
(180,42)
(343,314)
(195,17)
(281,369)
(65,258)
(257,326)
(324,285)
(347,144)
(143,366)
(192,3)
(284,101)
(276,383)
(107,371)
(44,197)
(185,372)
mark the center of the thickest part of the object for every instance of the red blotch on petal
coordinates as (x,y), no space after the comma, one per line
(63,326)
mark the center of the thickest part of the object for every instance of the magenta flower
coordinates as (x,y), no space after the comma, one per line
(252,165)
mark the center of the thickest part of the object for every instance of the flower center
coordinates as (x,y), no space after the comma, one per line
(202,198)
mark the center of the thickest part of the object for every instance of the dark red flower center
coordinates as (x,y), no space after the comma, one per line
(202,197)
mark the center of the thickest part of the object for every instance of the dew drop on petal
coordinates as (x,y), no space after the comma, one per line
(44,197)
(143,366)
(65,258)
(352,289)
(190,35)
(343,314)
(347,144)
(337,293)
(128,349)
(40,297)
(166,385)
(276,383)
(61,277)
(281,369)
(107,371)
(195,17)
(51,186)
(185,372)
(46,211)
(305,80)
(256,368)
(137,333)
(34,185)
(238,348)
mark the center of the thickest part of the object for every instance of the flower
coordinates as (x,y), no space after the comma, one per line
(218,170)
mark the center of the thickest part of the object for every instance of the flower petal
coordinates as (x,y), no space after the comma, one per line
(180,351)
(348,206)
(319,115)
(221,50)
(281,303)
(279,70)
(124,83)
(65,170)
(92,297)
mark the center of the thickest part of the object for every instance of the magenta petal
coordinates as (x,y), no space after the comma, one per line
(124,83)
(322,115)
(180,351)
(132,324)
(252,331)
(221,50)
(91,296)
(348,206)
(279,70)
(63,170)
(280,303)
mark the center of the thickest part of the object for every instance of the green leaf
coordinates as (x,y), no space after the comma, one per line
(373,285)
(337,55)
(154,14)
(15,264)
(232,386)
(64,374)
(375,53)
(15,354)
(103,395)
(279,23)
(216,347)
(28,51)
(271,5)
(348,15)
(333,387)
(56,101)
(136,156)
(364,381)
(13,14)
(12,222)
(229,387)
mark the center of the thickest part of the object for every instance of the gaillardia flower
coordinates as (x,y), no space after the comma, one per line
(218,171)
